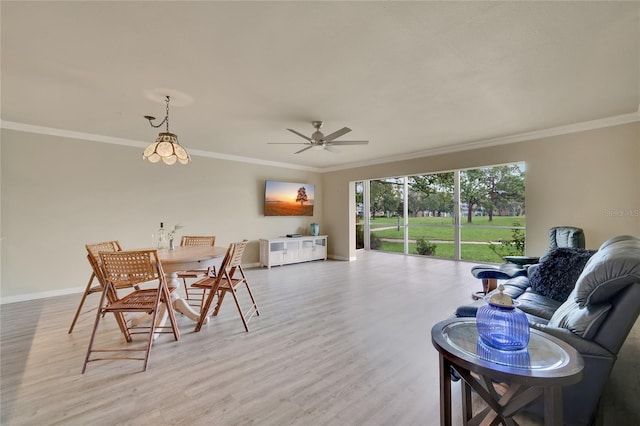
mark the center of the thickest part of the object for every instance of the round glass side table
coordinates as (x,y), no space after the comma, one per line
(542,369)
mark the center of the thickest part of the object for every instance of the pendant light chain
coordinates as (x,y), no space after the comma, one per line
(166,118)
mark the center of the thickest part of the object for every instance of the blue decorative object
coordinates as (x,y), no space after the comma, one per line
(501,325)
(314,228)
(516,358)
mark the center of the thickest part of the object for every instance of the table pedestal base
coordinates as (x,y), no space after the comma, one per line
(501,407)
(179,305)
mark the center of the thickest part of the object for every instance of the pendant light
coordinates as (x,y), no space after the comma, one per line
(166,146)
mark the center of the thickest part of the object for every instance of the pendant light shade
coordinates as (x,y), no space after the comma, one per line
(167,149)
(166,146)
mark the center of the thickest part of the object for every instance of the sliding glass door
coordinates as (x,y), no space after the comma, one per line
(431,215)
(475,214)
(386,215)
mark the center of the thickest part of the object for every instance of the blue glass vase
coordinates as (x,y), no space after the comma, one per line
(314,228)
(501,325)
(516,358)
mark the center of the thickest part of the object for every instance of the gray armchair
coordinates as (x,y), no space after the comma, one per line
(565,236)
(559,237)
(595,318)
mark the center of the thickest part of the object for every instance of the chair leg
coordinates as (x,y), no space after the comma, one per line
(152,335)
(253,301)
(84,296)
(221,293)
(99,313)
(119,316)
(203,297)
(172,314)
(235,298)
(186,288)
(489,284)
(204,309)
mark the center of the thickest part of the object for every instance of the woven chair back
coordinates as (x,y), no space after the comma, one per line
(236,253)
(192,240)
(94,250)
(130,267)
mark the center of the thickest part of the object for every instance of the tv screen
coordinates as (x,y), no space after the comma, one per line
(288,198)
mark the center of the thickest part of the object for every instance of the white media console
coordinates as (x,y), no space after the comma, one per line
(284,250)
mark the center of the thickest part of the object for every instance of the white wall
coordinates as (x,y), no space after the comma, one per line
(59,194)
(587,179)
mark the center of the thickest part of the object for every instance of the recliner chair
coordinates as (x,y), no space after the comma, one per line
(565,236)
(559,236)
(595,319)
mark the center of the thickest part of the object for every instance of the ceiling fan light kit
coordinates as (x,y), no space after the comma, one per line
(319,141)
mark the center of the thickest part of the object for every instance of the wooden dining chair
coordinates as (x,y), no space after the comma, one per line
(193,295)
(230,277)
(128,269)
(94,261)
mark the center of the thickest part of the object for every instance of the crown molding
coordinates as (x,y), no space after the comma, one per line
(50,131)
(538,134)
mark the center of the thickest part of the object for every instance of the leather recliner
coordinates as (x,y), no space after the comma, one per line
(559,236)
(595,318)
(565,236)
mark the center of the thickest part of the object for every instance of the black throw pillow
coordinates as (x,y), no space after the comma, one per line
(557,273)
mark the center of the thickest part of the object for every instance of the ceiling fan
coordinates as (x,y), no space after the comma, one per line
(319,141)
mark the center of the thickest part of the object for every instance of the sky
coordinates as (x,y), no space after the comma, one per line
(287,191)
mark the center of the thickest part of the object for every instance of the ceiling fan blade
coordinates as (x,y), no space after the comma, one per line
(301,135)
(287,143)
(349,142)
(330,148)
(336,134)
(303,149)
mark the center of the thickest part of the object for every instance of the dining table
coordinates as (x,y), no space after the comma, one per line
(183,258)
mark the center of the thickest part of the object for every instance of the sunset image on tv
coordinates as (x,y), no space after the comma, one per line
(288,199)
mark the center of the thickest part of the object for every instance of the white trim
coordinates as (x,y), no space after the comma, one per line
(50,131)
(41,295)
(335,257)
(537,134)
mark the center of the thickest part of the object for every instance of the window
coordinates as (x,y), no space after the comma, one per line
(474,214)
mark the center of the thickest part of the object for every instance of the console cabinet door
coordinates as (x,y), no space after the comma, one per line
(306,249)
(319,248)
(276,252)
(292,250)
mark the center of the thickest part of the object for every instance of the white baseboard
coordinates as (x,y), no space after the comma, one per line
(335,257)
(40,295)
(75,290)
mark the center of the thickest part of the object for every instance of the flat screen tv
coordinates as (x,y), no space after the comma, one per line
(288,198)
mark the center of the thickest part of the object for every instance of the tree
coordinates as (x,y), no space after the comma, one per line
(418,202)
(302,195)
(432,192)
(384,196)
(473,190)
(492,188)
(429,184)
(505,185)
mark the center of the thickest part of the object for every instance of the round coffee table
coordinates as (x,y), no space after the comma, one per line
(542,369)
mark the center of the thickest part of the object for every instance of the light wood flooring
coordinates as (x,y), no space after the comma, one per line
(336,343)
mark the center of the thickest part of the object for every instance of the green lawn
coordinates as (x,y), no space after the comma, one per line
(423,227)
(474,252)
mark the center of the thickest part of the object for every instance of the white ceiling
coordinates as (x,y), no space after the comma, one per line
(411,77)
